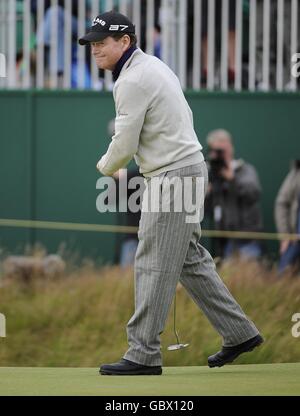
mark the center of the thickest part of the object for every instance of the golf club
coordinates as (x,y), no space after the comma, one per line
(179,345)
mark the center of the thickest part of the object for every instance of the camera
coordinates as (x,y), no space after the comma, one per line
(217,163)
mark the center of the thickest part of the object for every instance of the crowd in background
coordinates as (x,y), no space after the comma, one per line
(233,203)
(233,199)
(41,33)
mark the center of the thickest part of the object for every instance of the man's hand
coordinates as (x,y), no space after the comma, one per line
(284,245)
(227,173)
(120,174)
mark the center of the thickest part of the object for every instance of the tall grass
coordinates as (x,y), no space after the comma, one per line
(80,319)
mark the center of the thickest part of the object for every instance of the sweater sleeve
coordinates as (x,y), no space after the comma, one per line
(131,107)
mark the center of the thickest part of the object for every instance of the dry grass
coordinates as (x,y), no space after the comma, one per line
(80,320)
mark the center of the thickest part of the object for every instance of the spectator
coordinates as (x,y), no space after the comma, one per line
(261,85)
(157,41)
(233,197)
(231,37)
(287,217)
(44,33)
(287,16)
(287,43)
(20,63)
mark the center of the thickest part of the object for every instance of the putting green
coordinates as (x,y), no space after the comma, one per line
(269,379)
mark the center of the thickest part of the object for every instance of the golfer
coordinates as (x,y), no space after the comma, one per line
(154,124)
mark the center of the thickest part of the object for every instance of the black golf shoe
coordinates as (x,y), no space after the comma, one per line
(229,354)
(129,368)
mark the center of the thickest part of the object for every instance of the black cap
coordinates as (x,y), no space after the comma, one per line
(107,24)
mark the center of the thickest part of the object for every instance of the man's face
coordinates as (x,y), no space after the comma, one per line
(108,51)
(225,146)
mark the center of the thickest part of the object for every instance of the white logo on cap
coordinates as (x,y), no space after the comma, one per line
(98,21)
(118,27)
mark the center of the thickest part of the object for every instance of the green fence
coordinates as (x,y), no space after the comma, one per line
(50,143)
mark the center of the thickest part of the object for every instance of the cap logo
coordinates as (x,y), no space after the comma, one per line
(98,21)
(117,28)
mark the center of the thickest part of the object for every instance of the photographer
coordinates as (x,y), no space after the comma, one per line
(233,197)
(287,217)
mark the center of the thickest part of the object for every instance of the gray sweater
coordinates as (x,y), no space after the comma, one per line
(238,199)
(287,203)
(154,123)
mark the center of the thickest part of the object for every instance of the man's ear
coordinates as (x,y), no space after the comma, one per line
(126,40)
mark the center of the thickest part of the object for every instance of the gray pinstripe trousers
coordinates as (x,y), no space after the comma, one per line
(168,252)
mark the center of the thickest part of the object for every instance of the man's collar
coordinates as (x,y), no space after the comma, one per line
(237,163)
(124,58)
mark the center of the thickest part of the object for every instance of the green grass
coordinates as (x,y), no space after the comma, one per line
(271,379)
(80,319)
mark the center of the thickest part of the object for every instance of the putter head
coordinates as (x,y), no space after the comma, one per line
(176,347)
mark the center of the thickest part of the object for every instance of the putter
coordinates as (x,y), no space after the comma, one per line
(179,345)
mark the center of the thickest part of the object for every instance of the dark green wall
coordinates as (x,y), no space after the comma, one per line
(50,143)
